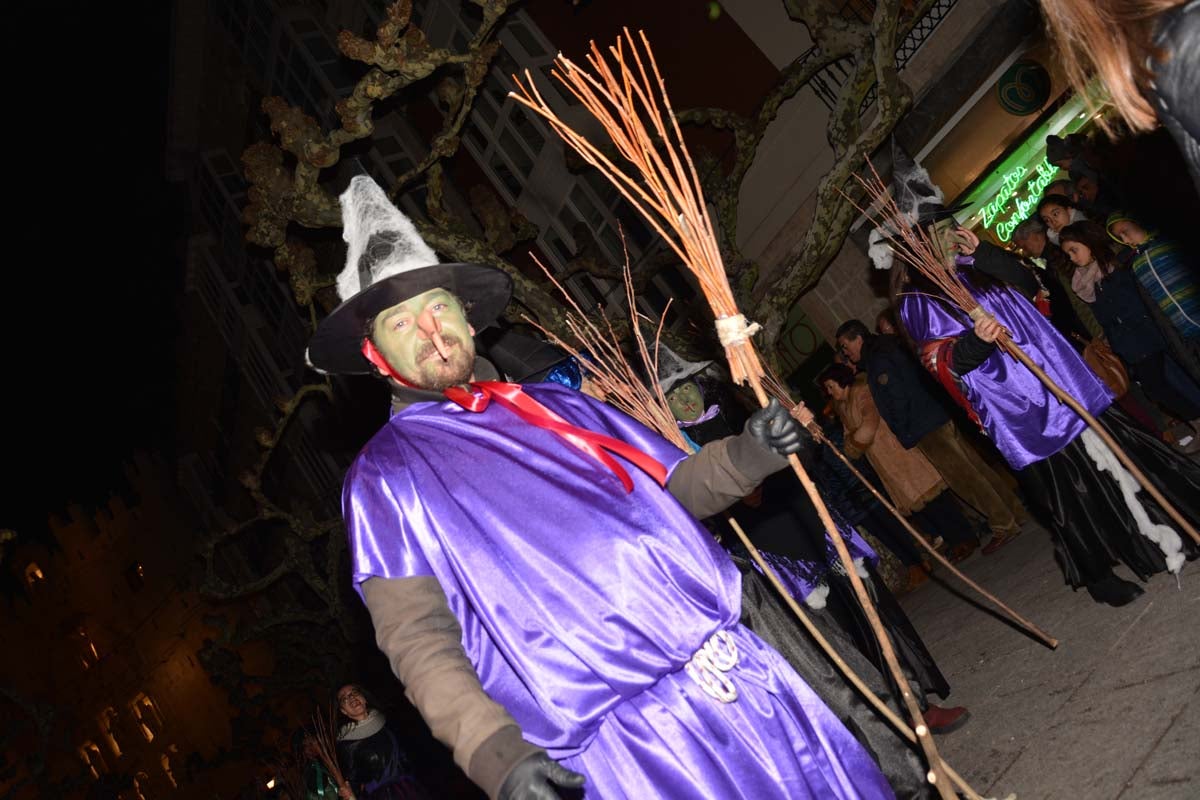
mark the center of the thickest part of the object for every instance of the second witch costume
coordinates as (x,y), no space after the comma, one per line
(1090,503)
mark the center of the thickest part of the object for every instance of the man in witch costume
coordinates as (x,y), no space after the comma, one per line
(533,572)
(909,408)
(1091,504)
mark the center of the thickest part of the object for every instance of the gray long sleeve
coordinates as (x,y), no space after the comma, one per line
(722,473)
(422,640)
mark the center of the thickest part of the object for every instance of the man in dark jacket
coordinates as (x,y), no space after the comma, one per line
(918,420)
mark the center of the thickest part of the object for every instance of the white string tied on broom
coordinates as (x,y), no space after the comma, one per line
(735,329)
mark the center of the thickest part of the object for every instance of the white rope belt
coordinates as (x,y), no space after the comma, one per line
(708,665)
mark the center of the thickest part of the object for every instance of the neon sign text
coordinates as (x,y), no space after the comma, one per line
(1042,177)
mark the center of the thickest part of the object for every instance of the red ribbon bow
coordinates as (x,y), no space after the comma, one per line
(597,445)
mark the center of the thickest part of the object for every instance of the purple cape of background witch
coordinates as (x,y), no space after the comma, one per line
(580,604)
(1024,420)
(802,578)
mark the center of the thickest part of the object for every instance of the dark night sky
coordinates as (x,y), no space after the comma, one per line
(89,328)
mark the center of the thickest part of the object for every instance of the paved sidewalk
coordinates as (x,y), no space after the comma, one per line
(1114,712)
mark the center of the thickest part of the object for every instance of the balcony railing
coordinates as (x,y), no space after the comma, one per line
(829,81)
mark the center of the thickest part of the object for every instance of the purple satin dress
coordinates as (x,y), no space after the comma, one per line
(1025,421)
(800,578)
(581,605)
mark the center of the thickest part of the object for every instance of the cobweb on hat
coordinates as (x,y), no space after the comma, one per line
(915,195)
(673,368)
(380,240)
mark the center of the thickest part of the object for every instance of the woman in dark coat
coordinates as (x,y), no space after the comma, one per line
(370,752)
(1146,53)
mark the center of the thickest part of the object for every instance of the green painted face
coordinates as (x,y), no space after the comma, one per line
(686,401)
(427,340)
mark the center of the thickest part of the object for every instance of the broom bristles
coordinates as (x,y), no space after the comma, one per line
(631,111)
(325,735)
(608,366)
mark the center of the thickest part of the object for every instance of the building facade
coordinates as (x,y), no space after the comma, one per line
(108,689)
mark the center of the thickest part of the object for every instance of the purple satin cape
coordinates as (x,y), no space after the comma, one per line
(1017,411)
(580,604)
(801,577)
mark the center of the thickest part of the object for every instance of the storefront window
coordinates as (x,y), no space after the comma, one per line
(1009,193)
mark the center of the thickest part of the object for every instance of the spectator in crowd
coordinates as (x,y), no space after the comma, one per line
(1162,268)
(911,482)
(1057,211)
(1070,315)
(1092,198)
(1072,154)
(1063,186)
(1116,297)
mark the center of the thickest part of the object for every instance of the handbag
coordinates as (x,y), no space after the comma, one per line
(1099,355)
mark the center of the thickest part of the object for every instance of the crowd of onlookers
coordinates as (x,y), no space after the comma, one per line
(1106,299)
(1132,291)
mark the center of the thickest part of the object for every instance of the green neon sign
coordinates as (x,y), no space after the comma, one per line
(1024,196)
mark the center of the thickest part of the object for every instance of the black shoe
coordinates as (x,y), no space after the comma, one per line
(1114,591)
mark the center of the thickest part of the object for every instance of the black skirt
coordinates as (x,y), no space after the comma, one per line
(915,658)
(769,617)
(1086,515)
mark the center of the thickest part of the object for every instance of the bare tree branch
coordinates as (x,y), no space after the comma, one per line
(871,49)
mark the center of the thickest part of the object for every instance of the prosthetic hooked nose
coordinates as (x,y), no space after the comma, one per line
(431,328)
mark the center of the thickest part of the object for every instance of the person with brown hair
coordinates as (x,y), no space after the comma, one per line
(910,480)
(1146,53)
(1128,323)
(1057,211)
(1070,315)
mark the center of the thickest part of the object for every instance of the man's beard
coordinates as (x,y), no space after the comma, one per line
(435,374)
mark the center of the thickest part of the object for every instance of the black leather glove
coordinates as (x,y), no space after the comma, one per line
(535,779)
(774,428)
